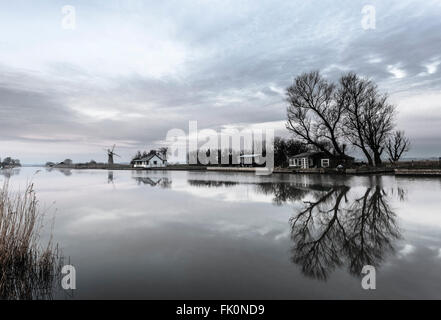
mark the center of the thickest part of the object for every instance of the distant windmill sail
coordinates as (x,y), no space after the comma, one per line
(110,154)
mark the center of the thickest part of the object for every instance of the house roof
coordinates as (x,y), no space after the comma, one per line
(314,153)
(307,154)
(347,157)
(149,157)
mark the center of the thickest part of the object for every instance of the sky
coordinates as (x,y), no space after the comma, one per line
(127,72)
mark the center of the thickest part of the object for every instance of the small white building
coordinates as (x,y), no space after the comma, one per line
(151,161)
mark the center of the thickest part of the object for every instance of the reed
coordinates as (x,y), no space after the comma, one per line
(28,270)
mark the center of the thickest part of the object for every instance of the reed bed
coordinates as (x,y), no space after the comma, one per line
(28,270)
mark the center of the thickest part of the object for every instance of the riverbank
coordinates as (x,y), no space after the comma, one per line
(98,166)
(351,171)
(418,172)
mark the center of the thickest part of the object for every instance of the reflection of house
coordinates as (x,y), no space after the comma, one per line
(151,161)
(163,182)
(319,160)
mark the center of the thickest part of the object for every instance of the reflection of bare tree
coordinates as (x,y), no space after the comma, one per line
(285,192)
(331,232)
(316,232)
(282,192)
(212,183)
(372,228)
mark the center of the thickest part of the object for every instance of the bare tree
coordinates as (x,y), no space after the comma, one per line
(313,114)
(368,119)
(163,152)
(396,145)
(325,116)
(379,123)
(285,148)
(353,94)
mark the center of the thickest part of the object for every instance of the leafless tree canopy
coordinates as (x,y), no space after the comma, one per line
(379,124)
(313,114)
(354,94)
(327,116)
(396,145)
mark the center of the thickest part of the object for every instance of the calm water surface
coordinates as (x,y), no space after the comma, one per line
(197,235)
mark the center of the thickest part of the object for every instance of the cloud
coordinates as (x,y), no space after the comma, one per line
(131,71)
(406,250)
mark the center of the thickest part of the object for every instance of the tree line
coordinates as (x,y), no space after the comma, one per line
(8,162)
(328,116)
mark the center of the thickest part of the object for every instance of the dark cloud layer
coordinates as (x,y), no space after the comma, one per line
(133,70)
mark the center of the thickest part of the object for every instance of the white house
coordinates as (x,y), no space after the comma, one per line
(151,161)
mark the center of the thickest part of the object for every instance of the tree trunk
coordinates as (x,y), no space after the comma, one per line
(368,156)
(377,159)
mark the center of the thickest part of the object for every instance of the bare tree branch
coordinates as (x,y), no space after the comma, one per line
(313,114)
(396,145)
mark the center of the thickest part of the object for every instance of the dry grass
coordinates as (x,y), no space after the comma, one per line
(27,269)
(416,164)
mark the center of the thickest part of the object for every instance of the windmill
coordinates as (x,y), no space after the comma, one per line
(110,155)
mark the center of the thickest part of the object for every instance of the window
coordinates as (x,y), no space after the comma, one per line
(325,163)
(155,162)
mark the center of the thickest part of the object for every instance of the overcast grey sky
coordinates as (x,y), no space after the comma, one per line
(132,70)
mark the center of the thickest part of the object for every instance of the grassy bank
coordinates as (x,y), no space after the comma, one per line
(429,167)
(420,164)
(27,269)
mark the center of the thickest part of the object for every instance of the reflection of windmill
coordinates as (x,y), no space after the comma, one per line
(109,176)
(110,154)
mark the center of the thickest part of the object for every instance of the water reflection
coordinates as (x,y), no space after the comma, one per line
(67,172)
(110,177)
(331,231)
(160,182)
(211,183)
(336,226)
(7,173)
(219,235)
(401,193)
(286,192)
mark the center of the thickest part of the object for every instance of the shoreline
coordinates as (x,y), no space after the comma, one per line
(353,171)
